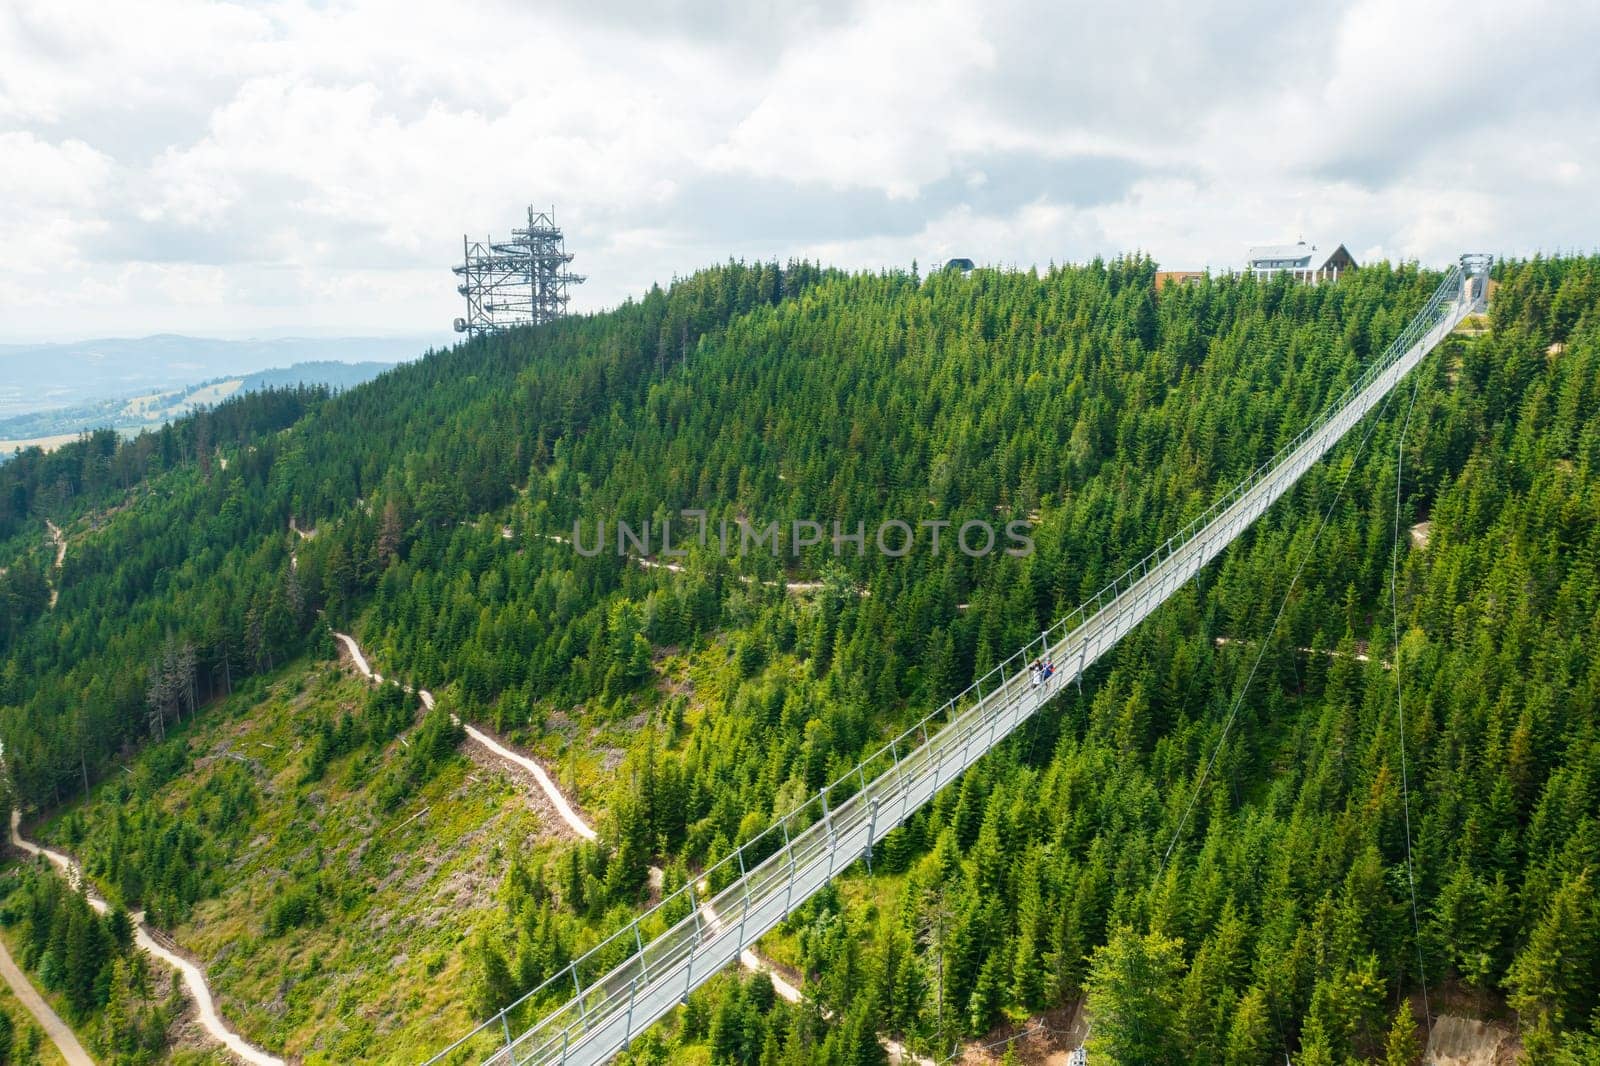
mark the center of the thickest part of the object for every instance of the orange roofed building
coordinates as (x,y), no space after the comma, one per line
(1178,277)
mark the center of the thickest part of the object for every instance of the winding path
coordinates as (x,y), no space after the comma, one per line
(748,958)
(649,563)
(59,539)
(547,784)
(294,560)
(797,588)
(193,978)
(898,1052)
(1328,653)
(57,1030)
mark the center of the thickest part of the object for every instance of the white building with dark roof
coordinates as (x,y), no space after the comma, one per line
(1303,261)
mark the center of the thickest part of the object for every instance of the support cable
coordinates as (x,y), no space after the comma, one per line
(1261,651)
(1399,702)
(1101,622)
(1261,647)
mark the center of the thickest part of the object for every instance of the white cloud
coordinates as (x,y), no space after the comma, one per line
(193,166)
(875,103)
(67,174)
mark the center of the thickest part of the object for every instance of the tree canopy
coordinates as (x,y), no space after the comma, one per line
(444,496)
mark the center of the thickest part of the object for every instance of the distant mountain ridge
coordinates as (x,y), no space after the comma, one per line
(41,377)
(52,427)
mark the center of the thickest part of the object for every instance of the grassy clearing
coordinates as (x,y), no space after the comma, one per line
(47,443)
(29,1045)
(334,930)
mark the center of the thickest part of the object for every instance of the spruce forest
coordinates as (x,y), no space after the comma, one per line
(1343,785)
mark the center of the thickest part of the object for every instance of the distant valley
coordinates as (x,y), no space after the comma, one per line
(50,393)
(40,377)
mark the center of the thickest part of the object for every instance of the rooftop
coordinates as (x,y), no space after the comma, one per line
(1299,251)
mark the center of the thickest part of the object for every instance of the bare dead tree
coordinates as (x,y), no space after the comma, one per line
(186,668)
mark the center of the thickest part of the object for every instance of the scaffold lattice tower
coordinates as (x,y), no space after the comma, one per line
(518,282)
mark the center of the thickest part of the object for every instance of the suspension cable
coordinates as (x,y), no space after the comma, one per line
(1399,701)
(1261,649)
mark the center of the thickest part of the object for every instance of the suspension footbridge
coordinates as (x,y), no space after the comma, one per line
(603,1000)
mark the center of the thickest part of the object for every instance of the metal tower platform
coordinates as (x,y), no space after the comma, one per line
(518,282)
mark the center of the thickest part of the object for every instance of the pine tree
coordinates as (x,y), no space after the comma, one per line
(1557,973)
(118,1029)
(1133,996)
(493,987)
(1248,1041)
(725,1029)
(989,993)
(1401,1047)
(388,543)
(1315,1048)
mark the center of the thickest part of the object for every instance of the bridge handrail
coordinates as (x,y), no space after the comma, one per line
(967,711)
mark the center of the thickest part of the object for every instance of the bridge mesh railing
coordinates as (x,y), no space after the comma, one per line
(748,892)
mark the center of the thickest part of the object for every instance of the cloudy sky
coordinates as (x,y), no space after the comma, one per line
(246,168)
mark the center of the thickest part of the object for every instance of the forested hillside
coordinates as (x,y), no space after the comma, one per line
(444,496)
